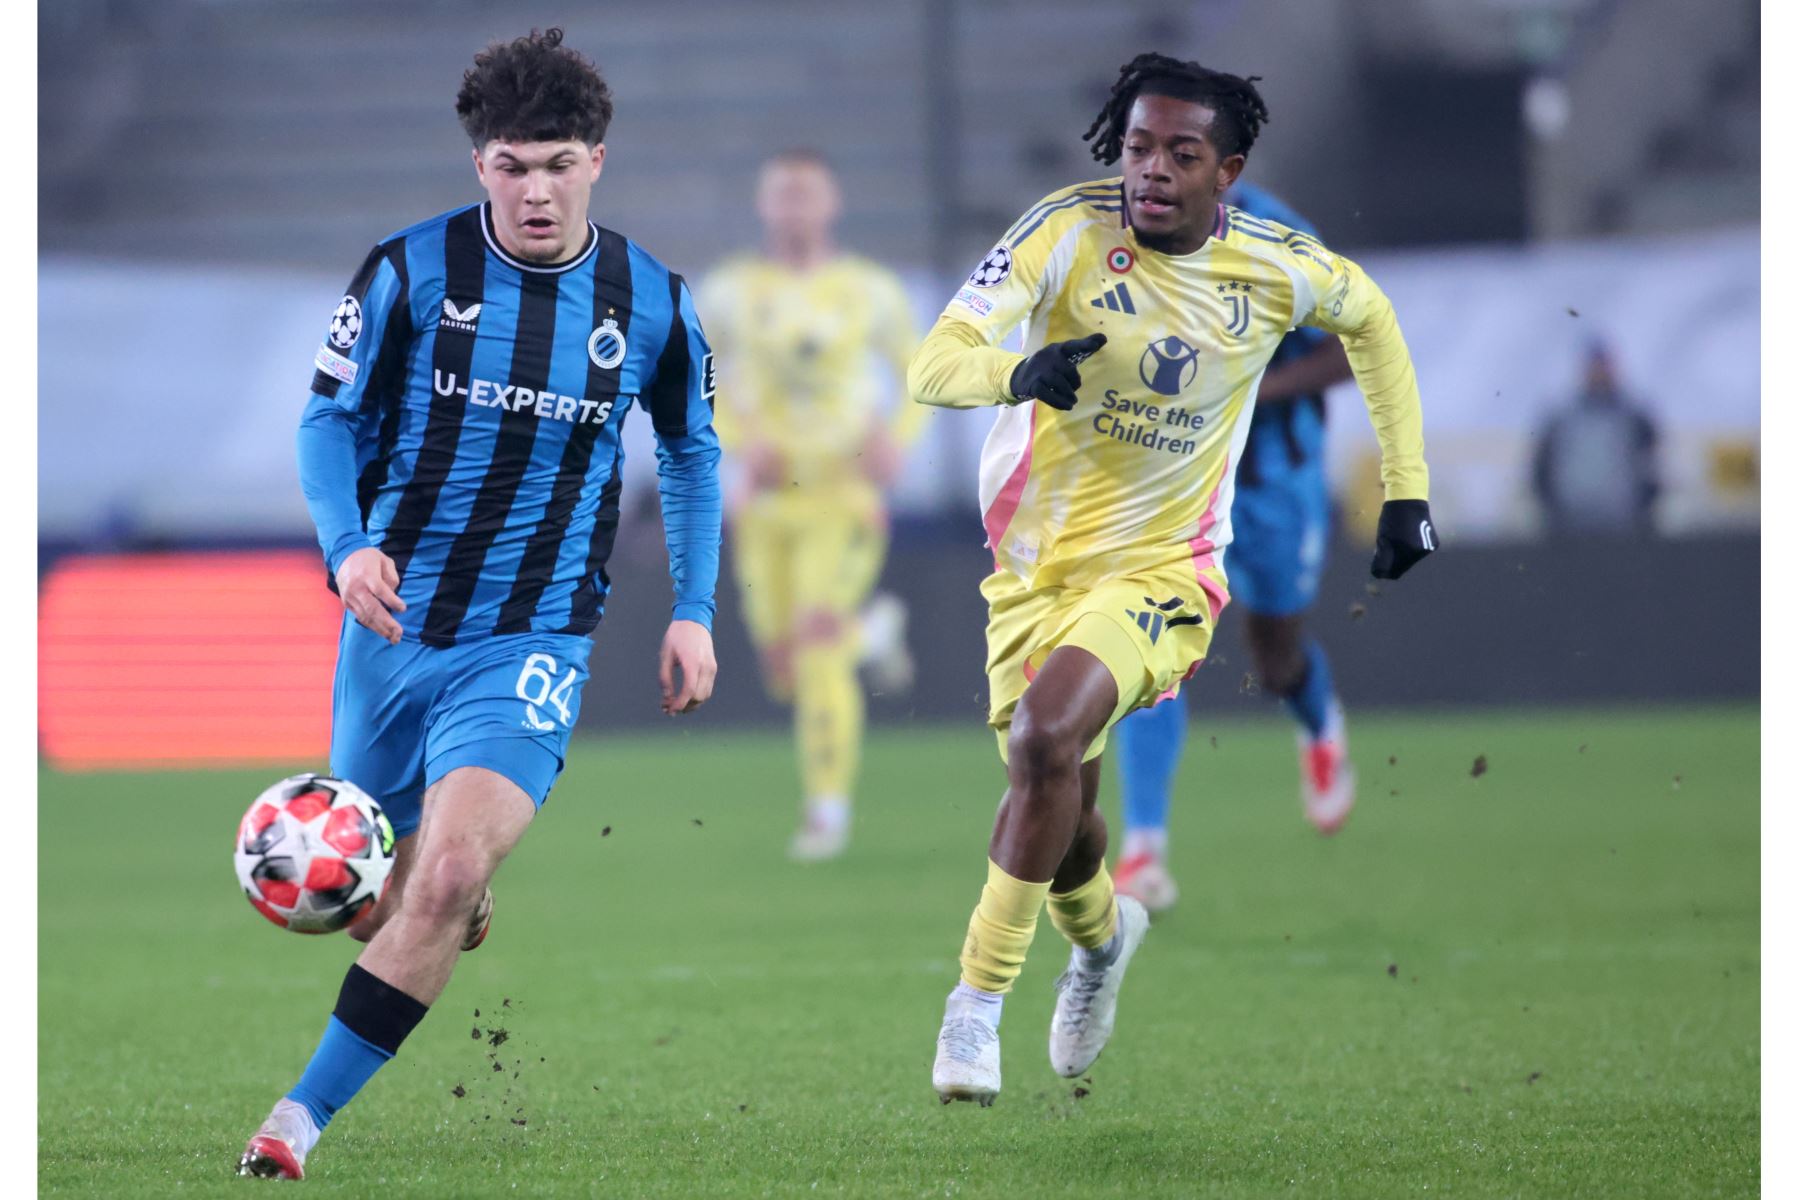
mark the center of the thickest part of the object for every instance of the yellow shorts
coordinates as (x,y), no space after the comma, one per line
(1151,630)
(801,553)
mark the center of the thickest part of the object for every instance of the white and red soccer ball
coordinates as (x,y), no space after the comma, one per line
(314,853)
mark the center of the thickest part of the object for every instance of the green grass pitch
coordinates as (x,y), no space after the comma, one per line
(1541,980)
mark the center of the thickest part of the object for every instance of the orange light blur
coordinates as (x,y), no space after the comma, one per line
(183,660)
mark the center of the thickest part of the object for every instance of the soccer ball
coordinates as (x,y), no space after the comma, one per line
(313,853)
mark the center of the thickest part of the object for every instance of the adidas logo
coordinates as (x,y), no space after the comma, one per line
(1155,617)
(1117,298)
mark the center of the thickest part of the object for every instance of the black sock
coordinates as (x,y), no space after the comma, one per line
(379,1013)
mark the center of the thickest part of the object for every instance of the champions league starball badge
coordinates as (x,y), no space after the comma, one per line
(992,269)
(346,323)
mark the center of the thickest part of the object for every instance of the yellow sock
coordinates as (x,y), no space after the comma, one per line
(1087,916)
(828,718)
(1000,930)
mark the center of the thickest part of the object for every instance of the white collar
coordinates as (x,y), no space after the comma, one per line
(493,242)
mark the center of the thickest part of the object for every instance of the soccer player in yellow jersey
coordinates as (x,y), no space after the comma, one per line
(1150,310)
(795,329)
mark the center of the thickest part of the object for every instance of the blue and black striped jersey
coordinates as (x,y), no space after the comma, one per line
(484,398)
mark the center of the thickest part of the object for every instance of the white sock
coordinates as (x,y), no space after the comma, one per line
(296,1124)
(1154,842)
(974,1002)
(828,812)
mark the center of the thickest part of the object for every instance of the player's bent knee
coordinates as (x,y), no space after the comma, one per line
(1038,748)
(445,888)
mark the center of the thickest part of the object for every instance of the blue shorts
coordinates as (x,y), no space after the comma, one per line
(1281,513)
(403,717)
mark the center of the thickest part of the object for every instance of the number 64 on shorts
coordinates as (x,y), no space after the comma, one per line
(404,716)
(539,689)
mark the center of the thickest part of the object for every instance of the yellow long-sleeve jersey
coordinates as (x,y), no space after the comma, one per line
(1139,474)
(794,351)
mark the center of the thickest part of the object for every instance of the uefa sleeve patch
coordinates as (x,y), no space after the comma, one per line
(346,323)
(981,306)
(336,365)
(990,271)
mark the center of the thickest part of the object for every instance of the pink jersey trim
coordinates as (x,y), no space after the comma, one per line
(1170,694)
(1000,514)
(1219,223)
(1202,547)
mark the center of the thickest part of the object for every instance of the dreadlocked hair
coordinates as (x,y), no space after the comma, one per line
(1238,108)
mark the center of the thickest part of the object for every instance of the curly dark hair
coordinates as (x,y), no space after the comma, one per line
(533,89)
(1238,108)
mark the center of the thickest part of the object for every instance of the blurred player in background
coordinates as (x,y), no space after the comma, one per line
(460,457)
(1280,518)
(796,326)
(1108,500)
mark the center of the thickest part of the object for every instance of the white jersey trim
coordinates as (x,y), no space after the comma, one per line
(493,244)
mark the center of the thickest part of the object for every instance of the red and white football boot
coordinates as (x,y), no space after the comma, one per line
(480,921)
(280,1147)
(1327,780)
(1145,878)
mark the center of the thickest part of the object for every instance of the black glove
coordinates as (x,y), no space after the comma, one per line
(1050,374)
(1404,535)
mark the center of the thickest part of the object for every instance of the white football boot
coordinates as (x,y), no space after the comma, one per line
(1087,1001)
(1327,780)
(968,1055)
(280,1147)
(824,834)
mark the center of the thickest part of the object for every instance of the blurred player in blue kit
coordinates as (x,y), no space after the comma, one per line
(460,455)
(1282,514)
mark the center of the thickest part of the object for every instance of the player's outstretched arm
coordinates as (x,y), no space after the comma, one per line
(1351,306)
(371,315)
(960,364)
(680,400)
(955,367)
(367,581)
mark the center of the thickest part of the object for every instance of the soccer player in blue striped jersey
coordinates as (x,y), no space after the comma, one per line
(1282,513)
(460,455)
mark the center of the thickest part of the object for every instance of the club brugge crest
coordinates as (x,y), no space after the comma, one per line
(1168,365)
(606,345)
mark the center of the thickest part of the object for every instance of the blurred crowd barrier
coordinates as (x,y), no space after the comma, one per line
(170,413)
(185,659)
